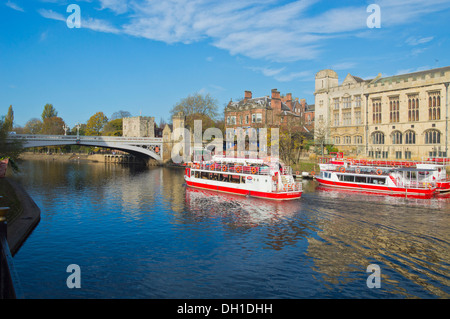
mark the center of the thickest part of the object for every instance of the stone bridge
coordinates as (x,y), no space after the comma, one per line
(138,146)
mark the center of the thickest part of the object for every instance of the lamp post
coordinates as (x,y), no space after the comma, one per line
(65,128)
(78,130)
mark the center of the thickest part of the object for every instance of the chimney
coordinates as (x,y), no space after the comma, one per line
(248,95)
(276,101)
(289,100)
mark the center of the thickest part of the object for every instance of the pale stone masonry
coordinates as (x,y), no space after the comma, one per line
(139,126)
(397,117)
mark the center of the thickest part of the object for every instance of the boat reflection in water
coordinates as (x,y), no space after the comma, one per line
(242,211)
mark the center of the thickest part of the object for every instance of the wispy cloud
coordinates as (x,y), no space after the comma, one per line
(259,29)
(283,74)
(417,40)
(86,22)
(14,6)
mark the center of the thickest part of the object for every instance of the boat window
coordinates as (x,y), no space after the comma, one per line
(349,178)
(361,179)
(377,180)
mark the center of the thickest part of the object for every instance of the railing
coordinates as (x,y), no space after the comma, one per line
(86,138)
(8,277)
(292,187)
(255,170)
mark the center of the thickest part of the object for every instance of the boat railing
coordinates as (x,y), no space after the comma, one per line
(292,187)
(255,170)
(287,170)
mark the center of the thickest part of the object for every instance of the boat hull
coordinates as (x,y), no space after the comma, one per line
(379,189)
(266,195)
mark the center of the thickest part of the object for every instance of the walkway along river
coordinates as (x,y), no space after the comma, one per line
(139,233)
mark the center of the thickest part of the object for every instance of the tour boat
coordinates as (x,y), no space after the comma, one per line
(269,179)
(435,168)
(390,181)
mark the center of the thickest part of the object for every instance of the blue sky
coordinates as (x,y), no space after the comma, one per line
(144,56)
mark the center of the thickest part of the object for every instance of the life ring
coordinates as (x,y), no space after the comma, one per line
(156,149)
(297,173)
(274,178)
(238,169)
(224,168)
(197,166)
(379,171)
(342,169)
(358,170)
(313,173)
(254,170)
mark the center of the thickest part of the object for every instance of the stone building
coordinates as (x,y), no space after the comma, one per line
(396,117)
(178,122)
(139,126)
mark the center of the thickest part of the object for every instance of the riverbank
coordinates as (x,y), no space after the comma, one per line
(24,214)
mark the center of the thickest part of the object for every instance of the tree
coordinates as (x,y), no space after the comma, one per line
(9,148)
(113,128)
(49,111)
(9,119)
(53,126)
(197,104)
(33,126)
(96,123)
(120,115)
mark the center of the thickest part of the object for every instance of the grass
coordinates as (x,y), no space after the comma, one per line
(305,166)
(9,199)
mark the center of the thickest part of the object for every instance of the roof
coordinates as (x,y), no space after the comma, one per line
(412,75)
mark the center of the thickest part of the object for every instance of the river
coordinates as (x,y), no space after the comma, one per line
(139,233)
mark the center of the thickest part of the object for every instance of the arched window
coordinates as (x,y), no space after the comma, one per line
(410,137)
(432,137)
(377,138)
(397,137)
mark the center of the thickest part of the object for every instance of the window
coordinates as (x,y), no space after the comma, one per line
(246,119)
(358,139)
(336,104)
(336,119)
(347,140)
(410,137)
(233,120)
(337,140)
(228,120)
(346,102)
(413,108)
(398,155)
(347,118)
(358,101)
(397,137)
(376,111)
(254,118)
(432,137)
(258,118)
(377,138)
(358,120)
(407,155)
(434,106)
(394,110)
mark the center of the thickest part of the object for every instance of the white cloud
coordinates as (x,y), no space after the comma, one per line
(282,74)
(13,6)
(86,22)
(117,6)
(416,41)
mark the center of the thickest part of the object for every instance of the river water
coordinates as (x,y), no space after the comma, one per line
(140,233)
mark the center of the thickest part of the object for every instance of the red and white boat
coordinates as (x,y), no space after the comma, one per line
(268,179)
(388,181)
(435,168)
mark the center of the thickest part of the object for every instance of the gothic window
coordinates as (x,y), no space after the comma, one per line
(394,110)
(434,106)
(377,138)
(432,137)
(413,108)
(397,137)
(376,111)
(410,137)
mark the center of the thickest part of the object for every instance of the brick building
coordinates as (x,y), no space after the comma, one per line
(266,111)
